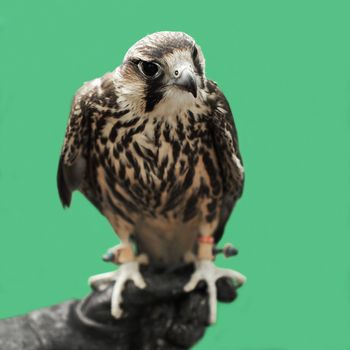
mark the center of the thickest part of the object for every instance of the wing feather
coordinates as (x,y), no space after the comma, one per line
(225,140)
(72,163)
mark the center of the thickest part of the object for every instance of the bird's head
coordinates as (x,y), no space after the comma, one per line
(162,72)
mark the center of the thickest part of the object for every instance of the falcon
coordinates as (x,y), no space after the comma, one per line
(153,146)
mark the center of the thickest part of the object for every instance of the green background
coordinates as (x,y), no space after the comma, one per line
(284,66)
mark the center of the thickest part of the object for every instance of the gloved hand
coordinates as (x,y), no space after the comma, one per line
(160,317)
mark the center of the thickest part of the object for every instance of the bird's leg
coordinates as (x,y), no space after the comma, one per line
(123,254)
(128,270)
(206,270)
(119,254)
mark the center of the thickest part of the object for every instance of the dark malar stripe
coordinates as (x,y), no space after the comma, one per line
(152,98)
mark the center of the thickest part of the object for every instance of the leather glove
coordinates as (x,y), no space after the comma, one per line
(160,317)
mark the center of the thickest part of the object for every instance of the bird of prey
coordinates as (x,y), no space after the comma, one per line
(153,146)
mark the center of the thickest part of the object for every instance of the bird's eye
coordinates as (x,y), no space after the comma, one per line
(149,69)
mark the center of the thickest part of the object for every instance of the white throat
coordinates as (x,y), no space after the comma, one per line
(173,103)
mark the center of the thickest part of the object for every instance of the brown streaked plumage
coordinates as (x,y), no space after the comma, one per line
(154,147)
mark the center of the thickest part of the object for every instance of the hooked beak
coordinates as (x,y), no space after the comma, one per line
(186,81)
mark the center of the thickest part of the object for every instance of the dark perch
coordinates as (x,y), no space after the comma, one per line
(161,317)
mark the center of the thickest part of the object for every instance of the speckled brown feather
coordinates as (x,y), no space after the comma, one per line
(159,176)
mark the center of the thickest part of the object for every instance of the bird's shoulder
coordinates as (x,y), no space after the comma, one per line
(90,97)
(94,95)
(97,92)
(218,103)
(221,117)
